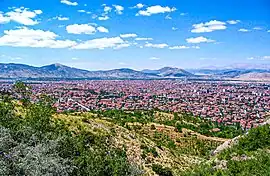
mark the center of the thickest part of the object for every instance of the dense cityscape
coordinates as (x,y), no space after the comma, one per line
(223,102)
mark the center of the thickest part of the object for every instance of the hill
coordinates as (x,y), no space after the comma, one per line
(170,72)
(61,71)
(35,140)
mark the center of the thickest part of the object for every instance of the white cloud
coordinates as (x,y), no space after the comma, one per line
(178,47)
(122,63)
(84,11)
(119,9)
(183,14)
(268,31)
(154,58)
(151,45)
(100,43)
(103,18)
(38,12)
(143,39)
(195,47)
(60,18)
(266,58)
(3,19)
(80,29)
(138,6)
(233,21)
(120,46)
(128,35)
(168,17)
(67,2)
(208,26)
(257,28)
(21,15)
(259,58)
(199,40)
(75,58)
(174,28)
(102,29)
(155,10)
(24,37)
(243,30)
(107,9)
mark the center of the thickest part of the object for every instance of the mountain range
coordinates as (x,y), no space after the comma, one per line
(59,71)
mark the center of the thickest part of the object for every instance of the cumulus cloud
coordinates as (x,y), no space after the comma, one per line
(195,47)
(67,2)
(101,43)
(151,45)
(268,31)
(208,26)
(3,19)
(154,58)
(107,9)
(266,58)
(85,29)
(118,9)
(20,15)
(199,40)
(233,21)
(103,18)
(259,58)
(60,18)
(174,28)
(155,10)
(168,17)
(243,30)
(24,37)
(257,28)
(84,11)
(81,29)
(128,35)
(102,29)
(143,39)
(120,46)
(138,6)
(178,47)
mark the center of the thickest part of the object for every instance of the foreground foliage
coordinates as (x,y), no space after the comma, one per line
(35,140)
(37,144)
(250,156)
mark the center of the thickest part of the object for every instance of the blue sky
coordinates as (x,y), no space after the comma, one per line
(137,34)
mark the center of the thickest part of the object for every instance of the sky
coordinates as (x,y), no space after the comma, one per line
(137,34)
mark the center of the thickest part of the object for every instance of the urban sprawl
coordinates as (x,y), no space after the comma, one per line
(222,102)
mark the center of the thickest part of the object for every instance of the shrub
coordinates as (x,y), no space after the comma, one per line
(162,171)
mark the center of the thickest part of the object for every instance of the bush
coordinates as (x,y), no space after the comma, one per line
(162,171)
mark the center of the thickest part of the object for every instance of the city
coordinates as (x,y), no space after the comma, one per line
(223,102)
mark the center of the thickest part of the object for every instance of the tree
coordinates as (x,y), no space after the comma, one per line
(23,92)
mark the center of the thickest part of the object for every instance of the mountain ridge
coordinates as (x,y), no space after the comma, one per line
(59,71)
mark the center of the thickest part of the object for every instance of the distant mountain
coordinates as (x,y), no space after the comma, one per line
(228,72)
(170,72)
(49,71)
(58,71)
(62,71)
(255,76)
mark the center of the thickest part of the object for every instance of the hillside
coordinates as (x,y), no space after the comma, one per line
(170,72)
(35,140)
(59,71)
